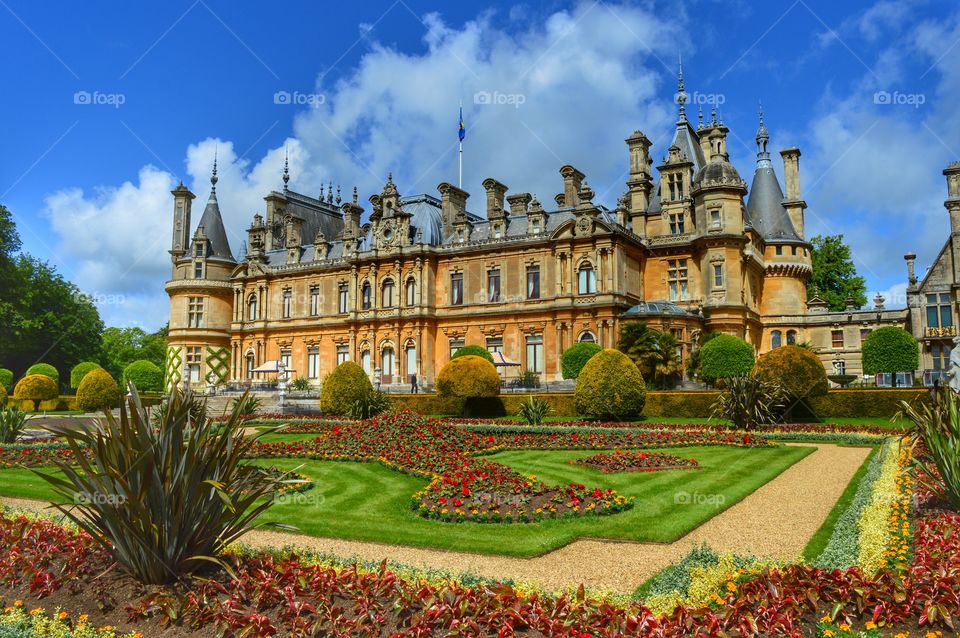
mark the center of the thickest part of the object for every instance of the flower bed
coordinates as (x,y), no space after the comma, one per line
(16,621)
(32,454)
(813,428)
(620,461)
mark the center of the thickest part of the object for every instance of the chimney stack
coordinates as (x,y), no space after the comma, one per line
(911,258)
(453,201)
(572,179)
(791,171)
(495,192)
(519,203)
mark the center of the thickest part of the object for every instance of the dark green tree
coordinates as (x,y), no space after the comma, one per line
(890,349)
(123,346)
(835,276)
(653,352)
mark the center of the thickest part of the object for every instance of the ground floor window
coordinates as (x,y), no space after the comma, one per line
(365,362)
(535,353)
(411,359)
(455,344)
(250,366)
(313,363)
(194,358)
(343,354)
(494,344)
(587,337)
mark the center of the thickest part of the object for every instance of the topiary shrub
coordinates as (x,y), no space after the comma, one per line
(3,397)
(469,377)
(610,387)
(81,370)
(46,370)
(343,387)
(797,370)
(891,350)
(6,379)
(36,388)
(145,375)
(725,356)
(97,391)
(473,351)
(575,357)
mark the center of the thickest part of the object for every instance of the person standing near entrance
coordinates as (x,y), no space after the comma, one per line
(414,389)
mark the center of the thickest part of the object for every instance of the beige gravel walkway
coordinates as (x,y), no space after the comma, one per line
(775,521)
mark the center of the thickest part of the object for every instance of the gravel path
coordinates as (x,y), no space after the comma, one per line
(775,521)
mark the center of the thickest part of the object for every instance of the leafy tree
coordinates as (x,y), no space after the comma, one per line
(575,357)
(890,350)
(693,361)
(835,276)
(123,346)
(725,356)
(653,352)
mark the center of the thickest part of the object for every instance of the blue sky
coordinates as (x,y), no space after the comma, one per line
(109,104)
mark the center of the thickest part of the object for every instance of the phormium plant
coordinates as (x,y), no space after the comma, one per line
(749,400)
(936,440)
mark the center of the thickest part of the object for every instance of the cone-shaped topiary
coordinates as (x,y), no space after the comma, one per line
(725,356)
(343,387)
(6,379)
(797,370)
(145,375)
(81,370)
(476,351)
(36,388)
(468,377)
(98,391)
(575,357)
(46,370)
(610,386)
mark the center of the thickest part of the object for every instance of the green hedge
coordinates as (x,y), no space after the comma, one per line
(879,402)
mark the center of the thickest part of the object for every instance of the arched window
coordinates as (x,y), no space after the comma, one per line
(386,362)
(791,337)
(366,296)
(252,307)
(587,279)
(411,291)
(776,339)
(587,337)
(411,355)
(365,362)
(387,297)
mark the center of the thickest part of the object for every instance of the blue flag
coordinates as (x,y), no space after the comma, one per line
(463,129)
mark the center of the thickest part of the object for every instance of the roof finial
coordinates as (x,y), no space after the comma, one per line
(681,94)
(286,167)
(699,117)
(713,116)
(354,194)
(330,192)
(213,175)
(338,195)
(763,155)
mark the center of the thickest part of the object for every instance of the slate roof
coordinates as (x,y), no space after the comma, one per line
(218,247)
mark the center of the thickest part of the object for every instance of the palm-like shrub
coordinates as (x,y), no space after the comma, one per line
(343,387)
(797,370)
(748,401)
(246,406)
(97,391)
(575,357)
(610,387)
(372,404)
(46,370)
(12,423)
(533,410)
(36,388)
(164,501)
(473,351)
(725,356)
(470,377)
(936,440)
(6,379)
(81,370)
(654,352)
(300,384)
(145,375)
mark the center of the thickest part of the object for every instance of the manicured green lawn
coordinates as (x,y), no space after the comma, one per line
(367,501)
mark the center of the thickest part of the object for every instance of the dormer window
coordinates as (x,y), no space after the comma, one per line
(497,233)
(536,226)
(461,236)
(198,249)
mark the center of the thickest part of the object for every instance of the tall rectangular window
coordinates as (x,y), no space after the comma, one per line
(313,362)
(456,289)
(715,219)
(533,282)
(287,303)
(836,338)
(455,344)
(194,358)
(286,360)
(677,279)
(677,225)
(939,314)
(493,285)
(195,312)
(343,354)
(198,270)
(342,295)
(535,353)
(314,301)
(718,276)
(586,280)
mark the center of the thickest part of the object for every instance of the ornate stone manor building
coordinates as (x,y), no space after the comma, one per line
(688,248)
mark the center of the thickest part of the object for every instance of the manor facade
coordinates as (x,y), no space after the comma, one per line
(399,282)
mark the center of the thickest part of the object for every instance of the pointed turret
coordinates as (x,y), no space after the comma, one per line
(765,204)
(217,246)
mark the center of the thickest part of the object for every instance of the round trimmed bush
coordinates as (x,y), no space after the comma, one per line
(145,375)
(610,386)
(575,357)
(891,350)
(6,379)
(798,370)
(46,370)
(97,391)
(473,351)
(81,370)
(725,356)
(469,377)
(36,388)
(343,387)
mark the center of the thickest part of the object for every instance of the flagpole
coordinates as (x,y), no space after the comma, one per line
(460,155)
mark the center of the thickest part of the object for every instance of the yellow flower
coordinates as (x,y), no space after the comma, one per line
(870,625)
(731,587)
(844,626)
(825,619)
(827,633)
(18,603)
(36,612)
(62,615)
(82,618)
